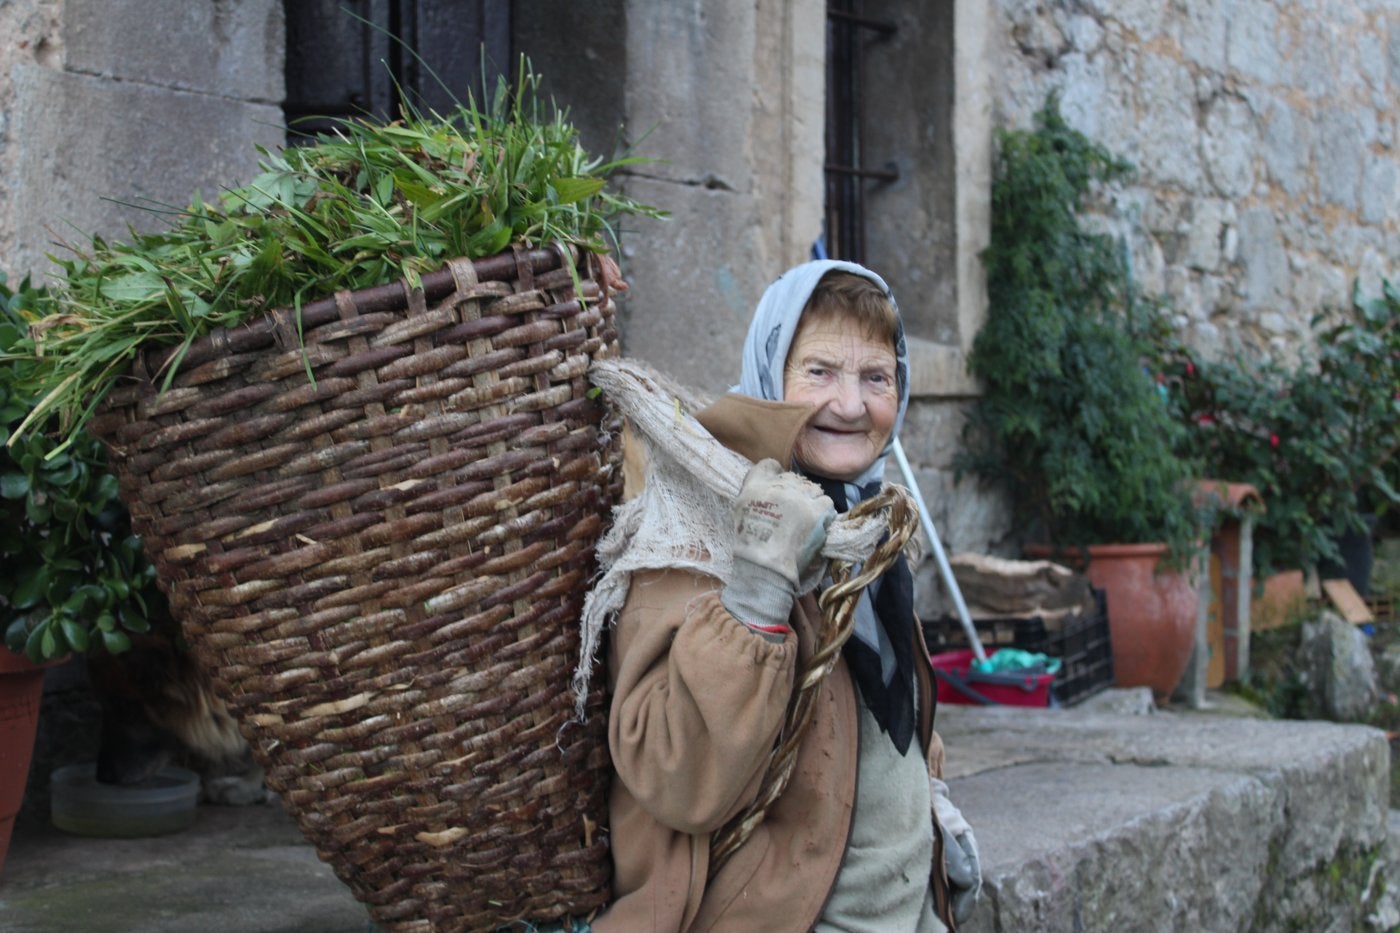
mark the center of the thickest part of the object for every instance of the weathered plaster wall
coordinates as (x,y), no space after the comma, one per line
(730,102)
(727,102)
(33,39)
(107,106)
(1264,134)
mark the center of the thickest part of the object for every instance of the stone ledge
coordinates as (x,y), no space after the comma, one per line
(938,370)
(1114,822)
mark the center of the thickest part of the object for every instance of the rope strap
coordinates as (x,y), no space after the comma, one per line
(837,603)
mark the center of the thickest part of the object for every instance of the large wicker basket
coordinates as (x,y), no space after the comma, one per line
(382,569)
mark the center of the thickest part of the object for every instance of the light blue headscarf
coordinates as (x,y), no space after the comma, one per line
(873,656)
(770,337)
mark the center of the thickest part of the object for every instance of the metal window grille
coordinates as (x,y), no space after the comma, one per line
(848,32)
(343,60)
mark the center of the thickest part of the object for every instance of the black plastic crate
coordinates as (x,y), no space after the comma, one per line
(1081,644)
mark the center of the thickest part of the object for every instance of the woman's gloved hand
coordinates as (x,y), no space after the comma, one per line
(960,856)
(780,522)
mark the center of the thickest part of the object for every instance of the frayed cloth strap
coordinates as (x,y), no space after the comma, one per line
(681,518)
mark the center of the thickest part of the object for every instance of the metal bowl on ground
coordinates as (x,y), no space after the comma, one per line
(163,803)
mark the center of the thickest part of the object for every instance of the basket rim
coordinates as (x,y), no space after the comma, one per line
(261,330)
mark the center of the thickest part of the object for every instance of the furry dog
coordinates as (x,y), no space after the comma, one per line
(159,708)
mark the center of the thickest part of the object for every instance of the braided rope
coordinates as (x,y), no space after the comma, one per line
(837,603)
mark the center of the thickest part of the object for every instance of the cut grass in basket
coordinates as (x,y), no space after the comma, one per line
(368,204)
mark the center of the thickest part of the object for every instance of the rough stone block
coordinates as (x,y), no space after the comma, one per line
(157,148)
(689,84)
(226,49)
(1196,845)
(708,299)
(1101,822)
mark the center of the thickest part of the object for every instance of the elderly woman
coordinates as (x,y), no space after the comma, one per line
(863,836)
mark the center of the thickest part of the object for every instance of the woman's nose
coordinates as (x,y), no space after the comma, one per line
(846,400)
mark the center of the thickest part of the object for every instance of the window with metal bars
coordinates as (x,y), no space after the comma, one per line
(893,200)
(357,57)
(848,35)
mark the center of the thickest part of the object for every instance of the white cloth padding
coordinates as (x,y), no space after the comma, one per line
(682,517)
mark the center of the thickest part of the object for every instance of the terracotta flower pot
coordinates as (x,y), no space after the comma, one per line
(1151,615)
(21,691)
(1280,597)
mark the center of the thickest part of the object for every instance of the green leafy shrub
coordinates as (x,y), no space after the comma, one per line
(75,577)
(1318,439)
(1359,366)
(1070,420)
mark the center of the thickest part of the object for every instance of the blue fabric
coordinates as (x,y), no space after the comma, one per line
(554,926)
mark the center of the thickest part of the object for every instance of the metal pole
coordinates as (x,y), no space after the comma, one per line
(949,580)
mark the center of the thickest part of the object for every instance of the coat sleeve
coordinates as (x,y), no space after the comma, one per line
(698,700)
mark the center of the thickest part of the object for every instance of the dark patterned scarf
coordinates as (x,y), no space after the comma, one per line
(888,608)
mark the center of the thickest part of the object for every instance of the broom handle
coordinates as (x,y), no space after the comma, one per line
(947,571)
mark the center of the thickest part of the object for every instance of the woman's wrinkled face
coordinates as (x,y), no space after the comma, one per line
(835,367)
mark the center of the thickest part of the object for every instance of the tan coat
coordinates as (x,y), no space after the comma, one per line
(698,701)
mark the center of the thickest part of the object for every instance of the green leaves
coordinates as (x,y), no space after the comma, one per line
(132,287)
(14,485)
(1069,420)
(369,204)
(1318,437)
(75,577)
(574,190)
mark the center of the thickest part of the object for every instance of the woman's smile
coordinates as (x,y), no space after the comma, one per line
(850,379)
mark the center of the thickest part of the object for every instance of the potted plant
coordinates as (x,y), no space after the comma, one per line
(75,579)
(1070,422)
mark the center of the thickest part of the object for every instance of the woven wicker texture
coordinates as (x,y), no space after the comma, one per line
(383,569)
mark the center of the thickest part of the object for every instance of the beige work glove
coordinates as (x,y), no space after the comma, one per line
(780,522)
(960,856)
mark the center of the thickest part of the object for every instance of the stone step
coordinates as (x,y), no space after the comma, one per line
(1087,820)
(1102,821)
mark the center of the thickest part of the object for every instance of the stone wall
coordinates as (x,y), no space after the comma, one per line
(731,107)
(1265,138)
(108,110)
(34,40)
(1268,176)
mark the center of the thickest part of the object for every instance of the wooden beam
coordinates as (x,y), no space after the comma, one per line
(1347,601)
